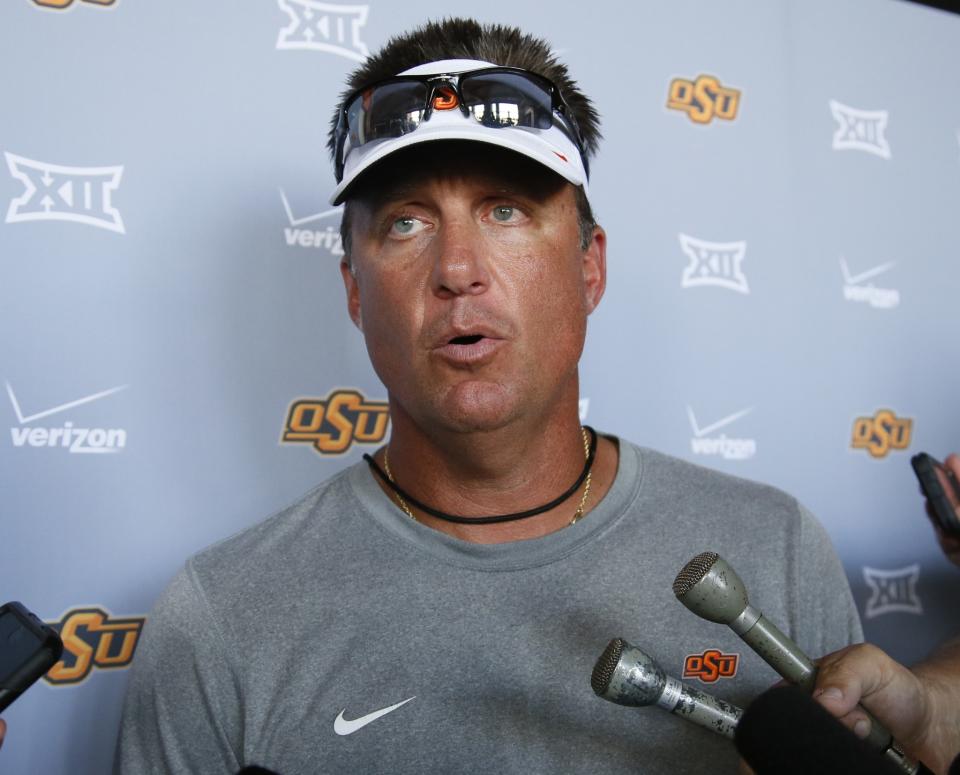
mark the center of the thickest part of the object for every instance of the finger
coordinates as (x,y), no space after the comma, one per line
(951,548)
(744,768)
(953,463)
(846,676)
(858,722)
(3,731)
(949,545)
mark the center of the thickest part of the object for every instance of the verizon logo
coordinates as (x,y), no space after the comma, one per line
(74,439)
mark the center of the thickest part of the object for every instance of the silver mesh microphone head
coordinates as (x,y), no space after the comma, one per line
(709,587)
(692,572)
(627,676)
(603,670)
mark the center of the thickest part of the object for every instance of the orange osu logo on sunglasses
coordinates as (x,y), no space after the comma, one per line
(445,98)
(63,4)
(710,666)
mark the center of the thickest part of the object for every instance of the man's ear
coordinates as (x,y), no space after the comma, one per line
(352,288)
(595,268)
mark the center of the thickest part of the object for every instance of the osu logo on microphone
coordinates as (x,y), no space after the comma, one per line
(93,638)
(881,433)
(710,666)
(333,424)
(703,99)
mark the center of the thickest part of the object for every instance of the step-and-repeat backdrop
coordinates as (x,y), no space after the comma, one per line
(780,182)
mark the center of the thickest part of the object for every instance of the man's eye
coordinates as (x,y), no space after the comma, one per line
(503,213)
(407,226)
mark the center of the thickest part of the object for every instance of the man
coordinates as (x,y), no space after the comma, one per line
(441,609)
(949,544)
(920,706)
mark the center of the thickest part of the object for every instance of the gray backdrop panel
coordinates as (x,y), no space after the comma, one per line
(188,334)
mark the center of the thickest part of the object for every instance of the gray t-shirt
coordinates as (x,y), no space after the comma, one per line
(268,644)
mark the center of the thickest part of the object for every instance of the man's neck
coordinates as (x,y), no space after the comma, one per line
(492,472)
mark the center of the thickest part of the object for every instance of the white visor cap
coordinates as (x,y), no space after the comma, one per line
(551,147)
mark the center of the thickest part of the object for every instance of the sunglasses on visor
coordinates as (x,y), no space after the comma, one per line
(500,97)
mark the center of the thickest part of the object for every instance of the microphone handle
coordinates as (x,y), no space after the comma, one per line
(775,648)
(784,656)
(699,707)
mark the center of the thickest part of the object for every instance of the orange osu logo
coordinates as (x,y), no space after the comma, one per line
(93,638)
(333,424)
(703,99)
(710,666)
(60,5)
(445,98)
(881,433)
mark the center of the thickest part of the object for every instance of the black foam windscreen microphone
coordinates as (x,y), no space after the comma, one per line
(785,732)
(711,588)
(628,676)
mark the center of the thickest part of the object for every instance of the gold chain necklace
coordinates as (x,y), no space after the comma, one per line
(400,501)
(576,517)
(586,487)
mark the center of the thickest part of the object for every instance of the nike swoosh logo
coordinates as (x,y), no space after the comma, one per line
(343,726)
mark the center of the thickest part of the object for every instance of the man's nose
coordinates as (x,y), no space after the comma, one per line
(460,266)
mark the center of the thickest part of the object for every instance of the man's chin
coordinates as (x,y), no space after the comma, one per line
(476,405)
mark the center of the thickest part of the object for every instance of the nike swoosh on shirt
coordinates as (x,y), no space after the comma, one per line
(343,726)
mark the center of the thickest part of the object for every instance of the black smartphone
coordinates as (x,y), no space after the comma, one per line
(942,491)
(28,649)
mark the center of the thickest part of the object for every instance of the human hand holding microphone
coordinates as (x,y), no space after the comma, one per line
(709,587)
(940,485)
(787,732)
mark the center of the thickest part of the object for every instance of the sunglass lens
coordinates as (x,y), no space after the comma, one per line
(507,99)
(389,110)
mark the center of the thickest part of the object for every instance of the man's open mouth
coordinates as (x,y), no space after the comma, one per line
(469,350)
(472,339)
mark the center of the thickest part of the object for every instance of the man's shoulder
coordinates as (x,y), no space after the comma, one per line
(695,480)
(704,496)
(233,589)
(286,536)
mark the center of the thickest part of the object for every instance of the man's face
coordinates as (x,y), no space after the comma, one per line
(470,285)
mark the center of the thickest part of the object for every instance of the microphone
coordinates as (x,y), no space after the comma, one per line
(627,676)
(785,732)
(709,587)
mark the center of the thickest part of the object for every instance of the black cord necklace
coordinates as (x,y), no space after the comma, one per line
(501,517)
